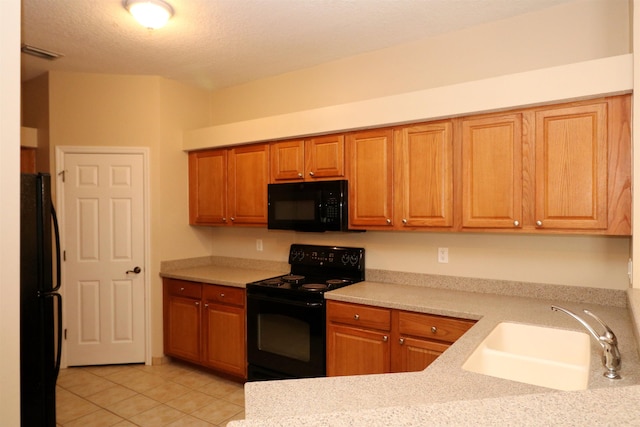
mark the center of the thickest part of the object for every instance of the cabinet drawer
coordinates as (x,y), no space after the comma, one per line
(440,328)
(359,315)
(224,295)
(184,288)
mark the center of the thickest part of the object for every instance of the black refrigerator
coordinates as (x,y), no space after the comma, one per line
(40,303)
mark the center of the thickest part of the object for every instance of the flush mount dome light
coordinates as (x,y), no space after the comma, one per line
(152,14)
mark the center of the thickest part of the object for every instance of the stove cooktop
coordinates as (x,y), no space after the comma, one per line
(317,269)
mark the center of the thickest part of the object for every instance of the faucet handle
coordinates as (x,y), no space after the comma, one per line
(608,333)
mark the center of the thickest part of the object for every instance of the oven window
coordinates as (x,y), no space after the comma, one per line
(286,210)
(285,336)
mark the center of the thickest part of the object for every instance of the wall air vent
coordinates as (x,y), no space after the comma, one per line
(40,53)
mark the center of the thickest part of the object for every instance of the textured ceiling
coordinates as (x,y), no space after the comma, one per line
(219,43)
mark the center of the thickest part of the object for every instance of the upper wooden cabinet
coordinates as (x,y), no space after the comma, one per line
(571,167)
(208,187)
(229,186)
(248,180)
(562,168)
(555,169)
(308,160)
(370,174)
(423,166)
(492,171)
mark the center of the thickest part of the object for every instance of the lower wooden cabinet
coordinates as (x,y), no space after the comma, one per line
(357,339)
(205,324)
(372,340)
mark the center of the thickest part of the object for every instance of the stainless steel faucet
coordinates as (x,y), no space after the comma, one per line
(610,353)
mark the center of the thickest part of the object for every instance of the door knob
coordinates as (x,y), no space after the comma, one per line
(136,270)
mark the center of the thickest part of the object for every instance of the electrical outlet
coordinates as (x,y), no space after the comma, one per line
(259,245)
(443,255)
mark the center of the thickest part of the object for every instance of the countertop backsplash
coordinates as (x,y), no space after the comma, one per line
(612,297)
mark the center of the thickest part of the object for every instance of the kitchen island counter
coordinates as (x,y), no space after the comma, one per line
(444,393)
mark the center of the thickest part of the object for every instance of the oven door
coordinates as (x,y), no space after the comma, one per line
(285,337)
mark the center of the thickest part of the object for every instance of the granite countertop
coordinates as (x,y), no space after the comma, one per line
(221,271)
(444,393)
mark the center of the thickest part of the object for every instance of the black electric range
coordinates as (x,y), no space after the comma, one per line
(286,315)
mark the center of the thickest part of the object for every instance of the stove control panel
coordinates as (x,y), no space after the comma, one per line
(329,256)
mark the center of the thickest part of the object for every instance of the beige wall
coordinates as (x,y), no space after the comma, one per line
(567,34)
(136,111)
(10,213)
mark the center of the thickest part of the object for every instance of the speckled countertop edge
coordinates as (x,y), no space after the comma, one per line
(590,408)
(444,380)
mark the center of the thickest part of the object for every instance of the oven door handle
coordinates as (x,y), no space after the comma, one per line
(285,301)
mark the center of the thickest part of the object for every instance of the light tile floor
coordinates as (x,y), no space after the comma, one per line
(174,395)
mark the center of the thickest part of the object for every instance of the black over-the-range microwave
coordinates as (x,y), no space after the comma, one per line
(309,206)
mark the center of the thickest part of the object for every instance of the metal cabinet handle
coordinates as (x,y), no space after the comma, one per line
(356,316)
(539,223)
(401,341)
(206,305)
(312,174)
(385,338)
(233,219)
(221,295)
(404,220)
(516,223)
(434,329)
(224,219)
(197,302)
(299,174)
(136,270)
(181,289)
(388,221)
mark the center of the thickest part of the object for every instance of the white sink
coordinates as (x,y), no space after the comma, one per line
(537,355)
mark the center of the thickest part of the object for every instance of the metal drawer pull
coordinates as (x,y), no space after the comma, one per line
(357,316)
(181,289)
(434,329)
(401,340)
(221,295)
(385,338)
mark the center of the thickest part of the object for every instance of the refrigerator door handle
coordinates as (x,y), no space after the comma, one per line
(58,297)
(57,238)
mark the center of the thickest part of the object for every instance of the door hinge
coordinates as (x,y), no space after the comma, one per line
(63,174)
(65,334)
(64,255)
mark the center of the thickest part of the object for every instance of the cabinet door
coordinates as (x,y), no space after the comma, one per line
(208,187)
(182,328)
(424,164)
(287,161)
(324,157)
(354,351)
(415,354)
(492,172)
(571,167)
(248,180)
(370,165)
(224,338)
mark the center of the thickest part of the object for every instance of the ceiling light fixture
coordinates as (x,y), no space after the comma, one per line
(152,14)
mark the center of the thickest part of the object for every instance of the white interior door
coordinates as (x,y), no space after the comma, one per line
(104,244)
